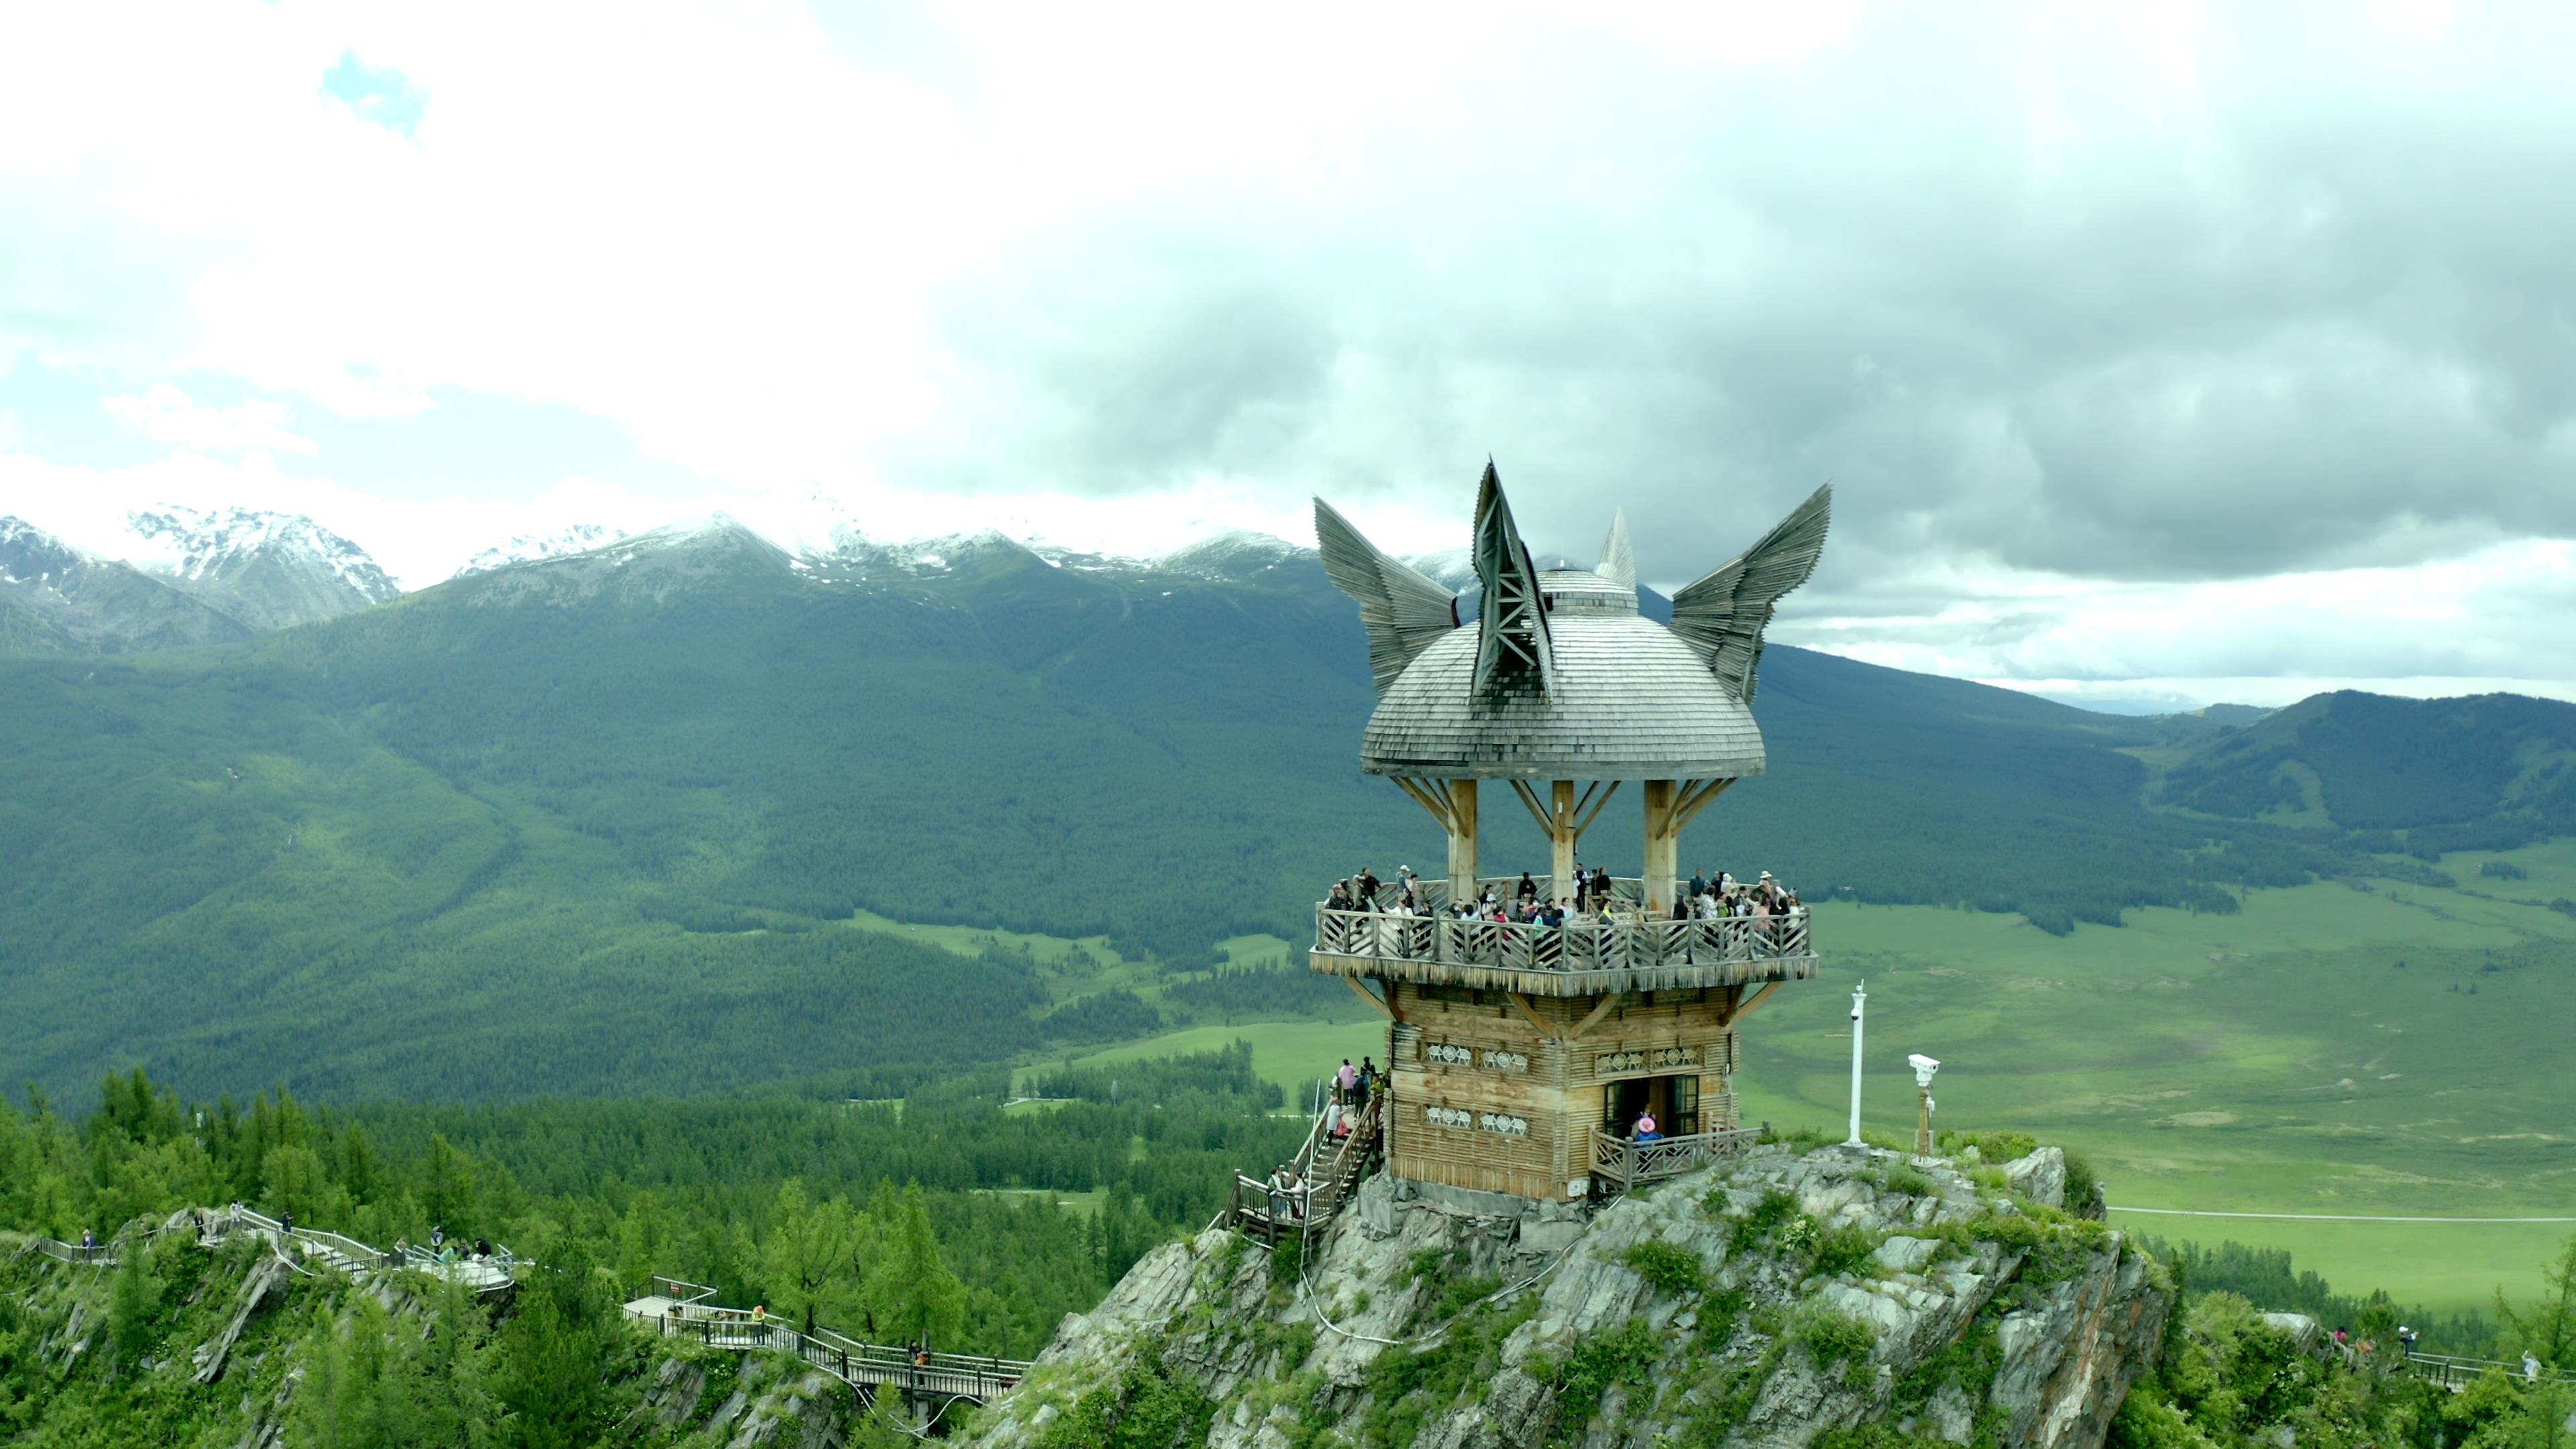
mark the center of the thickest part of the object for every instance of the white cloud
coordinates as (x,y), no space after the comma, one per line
(2455,626)
(2078,306)
(166,415)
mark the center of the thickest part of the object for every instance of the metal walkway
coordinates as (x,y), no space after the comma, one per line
(682,1311)
(486,1277)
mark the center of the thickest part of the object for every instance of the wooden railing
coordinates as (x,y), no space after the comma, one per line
(1329,1170)
(1609,946)
(1619,1163)
(853,1361)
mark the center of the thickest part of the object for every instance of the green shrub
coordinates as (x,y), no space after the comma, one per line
(1460,1294)
(2080,1182)
(2010,1230)
(1406,1388)
(1907,1181)
(1621,1355)
(1799,1234)
(1672,1268)
(1843,1250)
(1837,1341)
(1719,1314)
(1992,1146)
(1766,1217)
(1287,1261)
(1876,1436)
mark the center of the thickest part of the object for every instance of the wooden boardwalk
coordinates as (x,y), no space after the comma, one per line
(929,1379)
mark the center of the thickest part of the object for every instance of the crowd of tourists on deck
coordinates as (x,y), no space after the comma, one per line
(1709,896)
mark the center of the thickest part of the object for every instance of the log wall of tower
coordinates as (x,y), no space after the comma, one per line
(1501,1094)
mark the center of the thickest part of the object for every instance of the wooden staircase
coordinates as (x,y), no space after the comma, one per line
(1329,1171)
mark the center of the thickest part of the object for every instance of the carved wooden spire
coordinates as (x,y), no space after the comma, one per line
(1513,652)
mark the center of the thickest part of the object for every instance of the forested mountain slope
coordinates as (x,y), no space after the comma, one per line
(590,823)
(2490,772)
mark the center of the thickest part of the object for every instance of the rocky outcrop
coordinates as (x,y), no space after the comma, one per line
(1760,1305)
(768,1402)
(261,1290)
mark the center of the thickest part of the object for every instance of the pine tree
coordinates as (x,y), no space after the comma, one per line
(2547,1329)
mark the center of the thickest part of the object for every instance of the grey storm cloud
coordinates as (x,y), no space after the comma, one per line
(2302,300)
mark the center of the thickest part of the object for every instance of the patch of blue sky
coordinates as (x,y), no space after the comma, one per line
(62,415)
(384,96)
(469,445)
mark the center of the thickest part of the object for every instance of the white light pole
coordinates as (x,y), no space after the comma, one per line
(1860,994)
(1923,1067)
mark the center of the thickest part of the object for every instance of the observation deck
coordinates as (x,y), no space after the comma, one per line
(1629,951)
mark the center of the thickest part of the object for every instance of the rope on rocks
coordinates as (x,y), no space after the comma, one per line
(1305,1267)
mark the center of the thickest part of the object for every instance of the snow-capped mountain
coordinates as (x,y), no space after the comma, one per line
(58,598)
(266,570)
(1234,554)
(529,547)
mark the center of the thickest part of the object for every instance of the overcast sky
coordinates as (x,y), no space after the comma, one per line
(2225,353)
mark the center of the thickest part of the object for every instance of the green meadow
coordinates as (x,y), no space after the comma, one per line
(1295,1054)
(2396,1050)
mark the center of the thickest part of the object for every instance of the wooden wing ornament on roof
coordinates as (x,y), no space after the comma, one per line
(1723,614)
(1402,611)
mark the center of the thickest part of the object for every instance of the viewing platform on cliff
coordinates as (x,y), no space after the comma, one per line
(1626,950)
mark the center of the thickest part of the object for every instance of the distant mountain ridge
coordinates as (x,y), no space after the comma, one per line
(246,572)
(56,598)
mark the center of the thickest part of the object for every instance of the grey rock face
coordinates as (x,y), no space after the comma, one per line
(2041,1176)
(263,1289)
(1757,1304)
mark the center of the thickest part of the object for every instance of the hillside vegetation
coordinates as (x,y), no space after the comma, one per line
(603,823)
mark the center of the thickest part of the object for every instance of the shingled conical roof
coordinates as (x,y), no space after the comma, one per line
(1559,677)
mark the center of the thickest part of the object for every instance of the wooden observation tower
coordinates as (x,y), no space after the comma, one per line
(1521,1053)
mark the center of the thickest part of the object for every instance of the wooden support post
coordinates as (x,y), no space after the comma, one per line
(1663,846)
(1561,834)
(1462,840)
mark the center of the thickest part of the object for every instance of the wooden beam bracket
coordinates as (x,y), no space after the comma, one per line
(1384,1007)
(1594,1019)
(1597,805)
(1424,796)
(1691,805)
(1537,811)
(1530,1014)
(1747,1006)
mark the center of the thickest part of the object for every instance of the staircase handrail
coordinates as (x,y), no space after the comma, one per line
(2449,1363)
